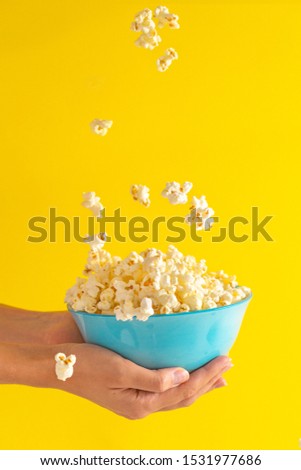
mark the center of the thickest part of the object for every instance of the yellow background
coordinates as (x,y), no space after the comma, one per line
(226,116)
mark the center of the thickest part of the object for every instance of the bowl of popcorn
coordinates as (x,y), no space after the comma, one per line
(157,309)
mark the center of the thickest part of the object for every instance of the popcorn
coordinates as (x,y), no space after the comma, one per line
(172,53)
(148,40)
(92,287)
(145,310)
(92,202)
(140,193)
(194,301)
(64,366)
(106,301)
(226,299)
(100,127)
(164,62)
(97,242)
(209,303)
(200,214)
(124,313)
(168,301)
(166,18)
(84,294)
(184,308)
(175,193)
(143,21)
(150,283)
(200,203)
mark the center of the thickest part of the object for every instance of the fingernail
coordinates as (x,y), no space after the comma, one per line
(180,376)
(228,366)
(230,362)
(222,383)
(226,360)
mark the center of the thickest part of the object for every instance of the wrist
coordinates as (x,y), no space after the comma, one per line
(61,328)
(24,326)
(24,364)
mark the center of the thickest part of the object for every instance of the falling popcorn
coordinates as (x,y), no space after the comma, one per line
(143,21)
(140,193)
(164,62)
(148,40)
(64,366)
(175,193)
(164,17)
(92,202)
(200,214)
(97,242)
(100,127)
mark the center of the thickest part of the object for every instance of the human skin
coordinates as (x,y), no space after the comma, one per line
(100,375)
(24,326)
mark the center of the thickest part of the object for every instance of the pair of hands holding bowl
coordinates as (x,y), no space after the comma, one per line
(30,340)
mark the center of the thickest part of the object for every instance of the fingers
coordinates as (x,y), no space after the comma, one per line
(156,381)
(199,383)
(158,390)
(220,382)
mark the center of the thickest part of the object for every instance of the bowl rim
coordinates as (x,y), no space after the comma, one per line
(207,311)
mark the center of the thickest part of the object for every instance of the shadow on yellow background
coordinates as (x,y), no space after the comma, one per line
(226,116)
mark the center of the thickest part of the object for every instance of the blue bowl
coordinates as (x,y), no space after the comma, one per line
(187,340)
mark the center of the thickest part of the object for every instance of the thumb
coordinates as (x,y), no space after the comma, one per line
(156,380)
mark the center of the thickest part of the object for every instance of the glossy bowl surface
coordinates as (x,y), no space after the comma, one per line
(188,340)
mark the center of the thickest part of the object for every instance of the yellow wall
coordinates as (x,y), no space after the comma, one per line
(225,116)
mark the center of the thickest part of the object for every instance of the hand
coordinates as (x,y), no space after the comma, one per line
(134,392)
(61,328)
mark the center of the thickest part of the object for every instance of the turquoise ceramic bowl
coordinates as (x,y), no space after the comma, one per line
(186,340)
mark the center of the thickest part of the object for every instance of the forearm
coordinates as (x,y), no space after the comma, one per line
(24,364)
(21,326)
(25,326)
